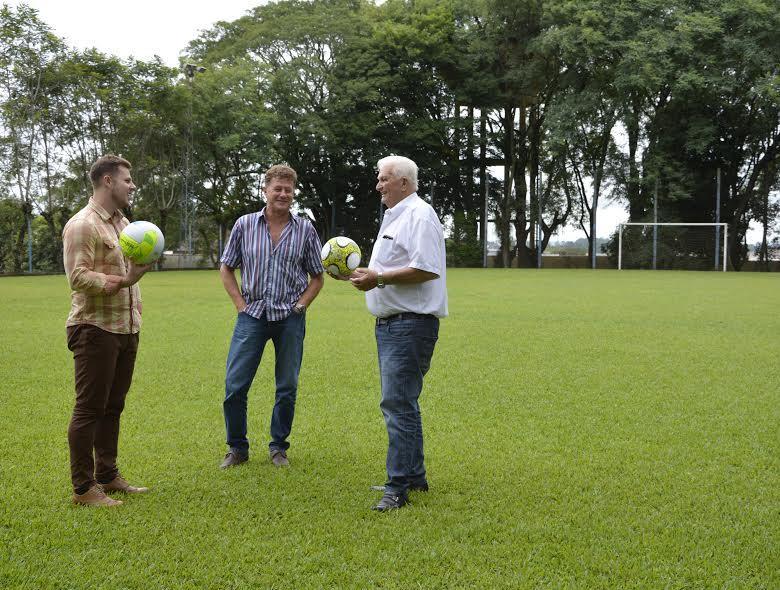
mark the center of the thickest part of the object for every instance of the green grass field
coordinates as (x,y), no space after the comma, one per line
(583,430)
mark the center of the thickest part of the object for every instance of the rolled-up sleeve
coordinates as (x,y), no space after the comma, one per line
(232,254)
(78,240)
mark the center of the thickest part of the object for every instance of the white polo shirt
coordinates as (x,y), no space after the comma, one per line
(411,235)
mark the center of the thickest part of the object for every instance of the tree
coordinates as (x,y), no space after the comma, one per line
(28,54)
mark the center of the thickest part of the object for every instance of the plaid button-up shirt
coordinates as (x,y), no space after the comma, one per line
(273,277)
(91,251)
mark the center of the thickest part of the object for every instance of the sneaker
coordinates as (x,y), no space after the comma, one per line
(233,458)
(390,501)
(279,458)
(95,496)
(119,484)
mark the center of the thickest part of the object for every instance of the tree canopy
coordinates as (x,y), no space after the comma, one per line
(536,110)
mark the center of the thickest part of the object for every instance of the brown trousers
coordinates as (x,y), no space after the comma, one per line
(104,369)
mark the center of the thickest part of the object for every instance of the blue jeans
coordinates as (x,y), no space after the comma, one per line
(405,348)
(246,349)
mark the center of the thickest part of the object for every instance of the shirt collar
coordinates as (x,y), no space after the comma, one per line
(293,217)
(402,204)
(102,212)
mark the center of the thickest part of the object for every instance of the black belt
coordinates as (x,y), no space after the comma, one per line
(407,315)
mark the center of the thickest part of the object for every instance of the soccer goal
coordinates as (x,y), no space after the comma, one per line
(667,246)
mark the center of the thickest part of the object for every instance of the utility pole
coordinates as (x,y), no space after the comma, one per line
(188,197)
(539,225)
(717,220)
(655,225)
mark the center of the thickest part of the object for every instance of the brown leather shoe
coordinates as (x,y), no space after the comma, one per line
(95,496)
(118,484)
(279,458)
(233,458)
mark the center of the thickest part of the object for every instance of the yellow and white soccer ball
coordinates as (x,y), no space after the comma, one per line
(340,256)
(142,242)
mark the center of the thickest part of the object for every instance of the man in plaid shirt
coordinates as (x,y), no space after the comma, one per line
(102,329)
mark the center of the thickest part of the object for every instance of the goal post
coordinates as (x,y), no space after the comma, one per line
(718,247)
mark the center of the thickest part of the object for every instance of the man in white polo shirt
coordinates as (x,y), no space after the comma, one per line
(405,285)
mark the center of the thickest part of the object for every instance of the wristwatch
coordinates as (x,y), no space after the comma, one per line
(299,308)
(380,280)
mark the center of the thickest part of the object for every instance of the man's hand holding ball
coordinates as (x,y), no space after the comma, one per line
(364,279)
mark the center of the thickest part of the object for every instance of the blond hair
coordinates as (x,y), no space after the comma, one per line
(280,172)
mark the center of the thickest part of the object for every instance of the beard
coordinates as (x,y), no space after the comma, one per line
(121,198)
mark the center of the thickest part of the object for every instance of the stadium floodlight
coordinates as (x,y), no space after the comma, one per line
(682,245)
(191,69)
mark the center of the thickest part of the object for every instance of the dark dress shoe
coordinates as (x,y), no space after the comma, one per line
(279,458)
(233,458)
(418,487)
(390,501)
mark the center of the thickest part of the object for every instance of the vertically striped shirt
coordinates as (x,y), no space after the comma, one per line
(273,277)
(90,243)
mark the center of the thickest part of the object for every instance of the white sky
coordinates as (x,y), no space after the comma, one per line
(139,28)
(145,28)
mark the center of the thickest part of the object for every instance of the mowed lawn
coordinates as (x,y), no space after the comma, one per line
(583,430)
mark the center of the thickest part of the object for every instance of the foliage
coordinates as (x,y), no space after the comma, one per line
(580,102)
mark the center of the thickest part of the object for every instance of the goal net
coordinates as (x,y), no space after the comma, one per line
(668,246)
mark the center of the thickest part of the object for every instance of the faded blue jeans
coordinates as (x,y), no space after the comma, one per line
(246,349)
(405,348)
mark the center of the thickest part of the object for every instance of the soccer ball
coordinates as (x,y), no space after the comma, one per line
(340,256)
(142,242)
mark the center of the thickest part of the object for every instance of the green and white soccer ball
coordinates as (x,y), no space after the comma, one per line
(340,256)
(142,242)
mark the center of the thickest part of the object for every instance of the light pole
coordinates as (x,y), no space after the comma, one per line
(188,200)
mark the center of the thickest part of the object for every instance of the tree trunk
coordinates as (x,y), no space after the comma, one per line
(18,253)
(740,201)
(521,192)
(636,210)
(766,183)
(483,181)
(506,208)
(472,203)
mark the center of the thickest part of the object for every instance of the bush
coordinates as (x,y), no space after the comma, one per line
(464,253)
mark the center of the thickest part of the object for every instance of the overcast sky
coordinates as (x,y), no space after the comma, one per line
(145,28)
(138,28)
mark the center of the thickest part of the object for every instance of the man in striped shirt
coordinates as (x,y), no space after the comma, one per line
(281,274)
(102,329)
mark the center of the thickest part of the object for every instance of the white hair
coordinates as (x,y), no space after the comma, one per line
(401,167)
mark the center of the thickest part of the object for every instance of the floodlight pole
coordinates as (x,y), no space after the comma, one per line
(187,197)
(485,220)
(539,225)
(29,243)
(655,227)
(717,220)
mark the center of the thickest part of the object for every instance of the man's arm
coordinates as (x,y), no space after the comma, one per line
(228,276)
(79,260)
(365,279)
(312,290)
(422,242)
(313,266)
(134,274)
